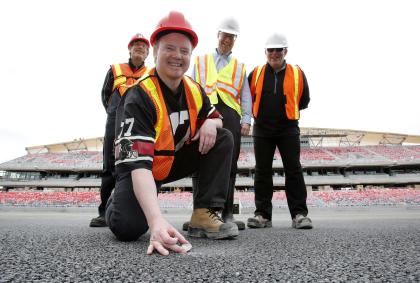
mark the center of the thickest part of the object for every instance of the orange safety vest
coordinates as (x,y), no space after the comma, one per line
(124,77)
(164,141)
(292,89)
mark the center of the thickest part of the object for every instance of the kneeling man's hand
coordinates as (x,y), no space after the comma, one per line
(164,238)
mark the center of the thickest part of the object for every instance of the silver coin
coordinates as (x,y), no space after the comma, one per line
(186,247)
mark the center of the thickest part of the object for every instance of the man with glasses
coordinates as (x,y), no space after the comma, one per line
(279,91)
(117,80)
(223,78)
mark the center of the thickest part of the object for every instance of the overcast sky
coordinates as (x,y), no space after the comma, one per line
(361,59)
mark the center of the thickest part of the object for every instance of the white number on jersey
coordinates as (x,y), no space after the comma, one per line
(178,118)
(130,123)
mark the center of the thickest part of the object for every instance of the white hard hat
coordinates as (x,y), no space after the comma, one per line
(229,25)
(276,40)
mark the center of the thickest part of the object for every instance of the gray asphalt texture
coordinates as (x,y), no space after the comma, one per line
(347,245)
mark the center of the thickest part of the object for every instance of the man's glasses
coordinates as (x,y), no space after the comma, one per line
(271,50)
(227,35)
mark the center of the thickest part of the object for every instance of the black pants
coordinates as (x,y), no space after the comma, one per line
(289,147)
(124,215)
(232,122)
(108,166)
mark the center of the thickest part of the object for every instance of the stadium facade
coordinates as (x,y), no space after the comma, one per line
(331,159)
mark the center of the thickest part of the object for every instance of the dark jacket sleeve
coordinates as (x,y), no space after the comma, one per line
(107,88)
(304,100)
(250,77)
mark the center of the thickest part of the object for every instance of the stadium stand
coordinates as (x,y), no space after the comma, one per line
(74,160)
(331,159)
(368,197)
(311,155)
(398,153)
(354,153)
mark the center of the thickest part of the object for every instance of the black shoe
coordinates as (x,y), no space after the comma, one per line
(228,217)
(240,224)
(98,222)
(185,226)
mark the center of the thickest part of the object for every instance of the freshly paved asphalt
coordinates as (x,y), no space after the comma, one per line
(376,244)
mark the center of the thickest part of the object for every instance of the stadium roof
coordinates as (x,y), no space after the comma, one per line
(92,144)
(346,137)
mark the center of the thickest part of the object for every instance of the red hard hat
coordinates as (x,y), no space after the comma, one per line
(175,21)
(138,37)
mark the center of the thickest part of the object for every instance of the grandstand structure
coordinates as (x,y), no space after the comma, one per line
(331,159)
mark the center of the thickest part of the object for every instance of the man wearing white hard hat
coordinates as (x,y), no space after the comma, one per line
(279,91)
(223,78)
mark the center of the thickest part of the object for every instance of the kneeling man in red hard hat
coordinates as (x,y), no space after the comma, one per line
(168,131)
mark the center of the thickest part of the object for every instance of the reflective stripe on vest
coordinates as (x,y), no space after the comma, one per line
(124,77)
(292,89)
(164,140)
(227,82)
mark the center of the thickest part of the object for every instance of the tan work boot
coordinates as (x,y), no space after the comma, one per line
(206,223)
(240,224)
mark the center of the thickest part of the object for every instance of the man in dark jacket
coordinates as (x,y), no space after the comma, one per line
(279,91)
(118,78)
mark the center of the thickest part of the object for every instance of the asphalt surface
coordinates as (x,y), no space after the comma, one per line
(347,245)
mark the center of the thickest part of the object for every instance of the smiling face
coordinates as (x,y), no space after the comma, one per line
(226,42)
(275,57)
(172,54)
(138,52)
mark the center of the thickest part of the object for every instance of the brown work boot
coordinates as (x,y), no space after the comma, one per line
(206,223)
(229,218)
